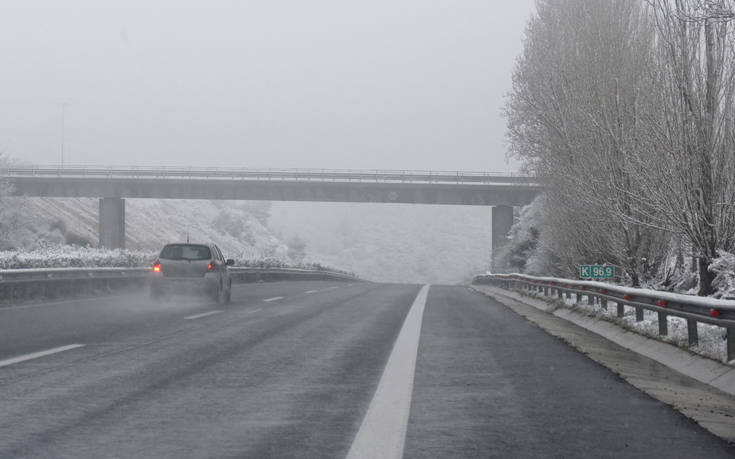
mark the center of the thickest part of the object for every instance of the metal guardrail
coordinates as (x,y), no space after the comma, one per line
(325,175)
(693,309)
(60,282)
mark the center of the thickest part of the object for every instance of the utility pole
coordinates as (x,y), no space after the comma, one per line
(63,112)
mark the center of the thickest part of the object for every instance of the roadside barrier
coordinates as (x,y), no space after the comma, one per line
(694,309)
(28,284)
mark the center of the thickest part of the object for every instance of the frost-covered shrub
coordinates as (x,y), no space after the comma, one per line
(523,241)
(724,268)
(65,256)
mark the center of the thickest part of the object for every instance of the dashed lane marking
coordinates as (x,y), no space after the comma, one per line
(35,355)
(383,430)
(275,298)
(311,291)
(204,314)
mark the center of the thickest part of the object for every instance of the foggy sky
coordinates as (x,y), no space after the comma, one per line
(382,84)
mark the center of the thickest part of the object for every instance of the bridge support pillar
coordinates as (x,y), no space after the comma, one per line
(502,221)
(112,223)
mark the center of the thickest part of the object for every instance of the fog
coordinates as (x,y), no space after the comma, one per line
(370,84)
(324,84)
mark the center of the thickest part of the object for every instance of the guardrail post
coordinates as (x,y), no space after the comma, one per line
(730,344)
(638,314)
(603,303)
(579,297)
(560,293)
(692,332)
(569,295)
(590,299)
(663,324)
(621,310)
(546,291)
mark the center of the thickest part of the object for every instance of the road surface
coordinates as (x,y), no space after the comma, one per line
(290,369)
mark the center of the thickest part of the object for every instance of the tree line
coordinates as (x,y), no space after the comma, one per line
(624,110)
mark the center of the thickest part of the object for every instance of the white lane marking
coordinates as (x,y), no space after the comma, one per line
(311,291)
(383,430)
(35,355)
(332,288)
(252,311)
(204,314)
(275,298)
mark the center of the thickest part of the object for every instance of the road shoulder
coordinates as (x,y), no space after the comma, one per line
(709,406)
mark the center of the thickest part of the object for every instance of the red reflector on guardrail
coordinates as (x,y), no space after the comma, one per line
(581,287)
(566,285)
(627,297)
(715,312)
(662,303)
(602,290)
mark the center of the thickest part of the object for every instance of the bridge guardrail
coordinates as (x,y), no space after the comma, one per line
(346,175)
(60,282)
(692,308)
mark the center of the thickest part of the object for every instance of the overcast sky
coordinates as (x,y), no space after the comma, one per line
(379,84)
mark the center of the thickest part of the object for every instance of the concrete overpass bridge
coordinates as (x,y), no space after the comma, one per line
(113,184)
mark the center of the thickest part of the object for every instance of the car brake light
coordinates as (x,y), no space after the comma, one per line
(212,267)
(157,267)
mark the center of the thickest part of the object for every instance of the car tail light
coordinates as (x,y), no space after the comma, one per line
(212,267)
(157,267)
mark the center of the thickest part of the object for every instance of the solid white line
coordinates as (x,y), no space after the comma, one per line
(311,291)
(205,314)
(383,430)
(35,355)
(275,298)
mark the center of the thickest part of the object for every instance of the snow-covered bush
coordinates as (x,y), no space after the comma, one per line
(65,256)
(522,239)
(724,268)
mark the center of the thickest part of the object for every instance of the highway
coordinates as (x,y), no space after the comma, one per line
(296,369)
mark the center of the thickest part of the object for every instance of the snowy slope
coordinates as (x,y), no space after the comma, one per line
(237,227)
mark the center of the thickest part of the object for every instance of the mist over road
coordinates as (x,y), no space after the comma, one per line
(290,369)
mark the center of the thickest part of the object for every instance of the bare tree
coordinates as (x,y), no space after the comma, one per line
(573,116)
(687,165)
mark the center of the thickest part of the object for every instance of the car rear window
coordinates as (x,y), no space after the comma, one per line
(186,252)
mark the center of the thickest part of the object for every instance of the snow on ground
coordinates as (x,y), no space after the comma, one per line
(711,344)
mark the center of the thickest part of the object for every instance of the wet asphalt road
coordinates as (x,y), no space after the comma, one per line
(289,370)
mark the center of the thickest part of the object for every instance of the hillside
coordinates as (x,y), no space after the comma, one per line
(391,242)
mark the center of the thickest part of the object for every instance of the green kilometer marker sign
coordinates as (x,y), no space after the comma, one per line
(596,272)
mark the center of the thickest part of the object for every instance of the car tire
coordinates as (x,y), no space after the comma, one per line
(228,293)
(219,294)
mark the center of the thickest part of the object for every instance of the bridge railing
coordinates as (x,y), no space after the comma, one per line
(24,284)
(692,308)
(341,175)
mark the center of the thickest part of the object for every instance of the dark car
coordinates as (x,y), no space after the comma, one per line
(184,268)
